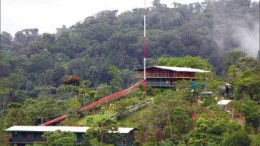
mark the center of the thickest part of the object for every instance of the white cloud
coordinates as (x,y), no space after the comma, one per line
(47,15)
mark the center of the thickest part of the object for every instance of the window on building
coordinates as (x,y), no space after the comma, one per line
(37,135)
(123,142)
(24,135)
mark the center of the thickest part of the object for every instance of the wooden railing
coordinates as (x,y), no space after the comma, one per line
(161,84)
(166,75)
(26,140)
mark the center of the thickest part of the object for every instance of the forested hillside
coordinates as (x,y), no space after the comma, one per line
(38,62)
(103,50)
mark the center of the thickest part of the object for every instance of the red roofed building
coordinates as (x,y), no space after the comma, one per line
(166,76)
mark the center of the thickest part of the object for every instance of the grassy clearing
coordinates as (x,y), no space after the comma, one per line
(96,117)
(131,120)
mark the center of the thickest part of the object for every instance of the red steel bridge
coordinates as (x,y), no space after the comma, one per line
(106,99)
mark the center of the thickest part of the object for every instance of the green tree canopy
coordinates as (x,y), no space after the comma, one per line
(187,61)
(59,138)
(239,138)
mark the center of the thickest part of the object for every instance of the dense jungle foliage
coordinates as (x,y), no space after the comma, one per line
(43,76)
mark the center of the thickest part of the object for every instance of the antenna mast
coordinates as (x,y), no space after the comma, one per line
(145,48)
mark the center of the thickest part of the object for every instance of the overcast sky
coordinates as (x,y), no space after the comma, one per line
(47,15)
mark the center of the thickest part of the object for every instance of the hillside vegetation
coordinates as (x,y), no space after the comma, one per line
(43,76)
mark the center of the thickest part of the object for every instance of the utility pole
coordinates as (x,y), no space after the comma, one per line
(145,49)
(106,109)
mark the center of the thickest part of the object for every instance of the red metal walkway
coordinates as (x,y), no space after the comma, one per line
(97,103)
